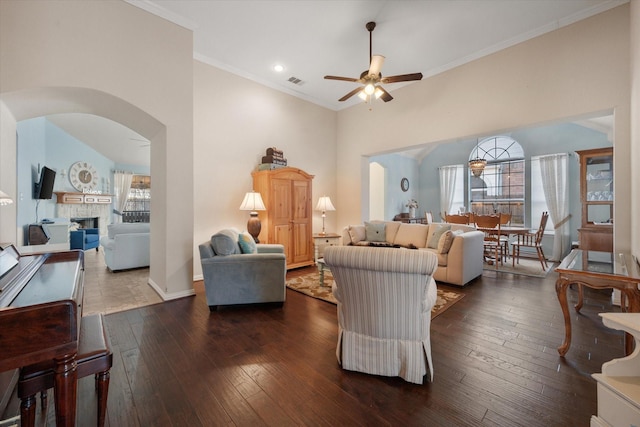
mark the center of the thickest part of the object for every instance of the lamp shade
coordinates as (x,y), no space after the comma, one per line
(252,202)
(5,199)
(324,204)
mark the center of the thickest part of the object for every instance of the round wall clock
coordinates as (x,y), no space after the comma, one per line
(404,184)
(83,176)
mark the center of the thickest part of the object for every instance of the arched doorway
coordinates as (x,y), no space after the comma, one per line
(31,103)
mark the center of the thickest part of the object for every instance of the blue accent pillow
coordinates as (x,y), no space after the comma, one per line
(247,244)
(375,232)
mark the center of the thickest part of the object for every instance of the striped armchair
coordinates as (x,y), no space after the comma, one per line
(385,297)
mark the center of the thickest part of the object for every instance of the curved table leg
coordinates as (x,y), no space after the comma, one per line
(561,291)
(578,306)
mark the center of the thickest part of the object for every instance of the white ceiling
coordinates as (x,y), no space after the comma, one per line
(314,38)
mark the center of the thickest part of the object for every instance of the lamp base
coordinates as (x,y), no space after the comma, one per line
(254,226)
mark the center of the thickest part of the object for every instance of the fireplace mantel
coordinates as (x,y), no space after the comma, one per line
(83,198)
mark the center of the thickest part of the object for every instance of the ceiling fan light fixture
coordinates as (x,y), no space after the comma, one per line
(369,89)
(372,77)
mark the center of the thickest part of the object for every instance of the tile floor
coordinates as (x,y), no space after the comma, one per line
(107,292)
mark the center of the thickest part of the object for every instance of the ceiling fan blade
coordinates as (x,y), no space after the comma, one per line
(350,94)
(386,96)
(376,65)
(346,79)
(402,78)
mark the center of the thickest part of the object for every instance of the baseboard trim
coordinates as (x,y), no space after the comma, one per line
(168,297)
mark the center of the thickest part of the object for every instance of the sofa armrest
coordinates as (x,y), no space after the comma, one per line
(243,259)
(465,258)
(76,238)
(92,230)
(270,248)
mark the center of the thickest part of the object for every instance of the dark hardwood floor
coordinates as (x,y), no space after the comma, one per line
(494,354)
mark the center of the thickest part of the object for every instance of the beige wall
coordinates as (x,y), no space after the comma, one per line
(635,126)
(112,59)
(235,121)
(574,71)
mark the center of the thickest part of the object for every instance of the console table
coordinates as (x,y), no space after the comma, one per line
(598,270)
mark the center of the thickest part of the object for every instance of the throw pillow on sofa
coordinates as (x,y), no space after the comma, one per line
(225,242)
(375,232)
(247,244)
(357,234)
(435,232)
(444,244)
(412,236)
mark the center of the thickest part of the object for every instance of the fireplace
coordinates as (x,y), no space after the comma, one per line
(90,222)
(88,215)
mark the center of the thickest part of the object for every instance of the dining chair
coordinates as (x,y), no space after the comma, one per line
(505,220)
(493,247)
(532,240)
(456,219)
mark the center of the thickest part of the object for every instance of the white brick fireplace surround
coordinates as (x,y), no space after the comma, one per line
(86,210)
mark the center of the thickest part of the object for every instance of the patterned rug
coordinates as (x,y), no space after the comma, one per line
(526,267)
(309,284)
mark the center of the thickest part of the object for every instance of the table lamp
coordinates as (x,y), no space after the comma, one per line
(253,202)
(324,205)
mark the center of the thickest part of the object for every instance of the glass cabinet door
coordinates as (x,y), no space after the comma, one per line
(597,193)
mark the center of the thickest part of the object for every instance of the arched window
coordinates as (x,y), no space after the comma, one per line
(500,187)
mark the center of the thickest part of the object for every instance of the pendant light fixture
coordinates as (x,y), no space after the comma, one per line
(477,165)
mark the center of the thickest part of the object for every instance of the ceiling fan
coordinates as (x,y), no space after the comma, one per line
(371,78)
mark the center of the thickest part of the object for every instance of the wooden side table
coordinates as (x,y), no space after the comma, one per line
(598,270)
(320,241)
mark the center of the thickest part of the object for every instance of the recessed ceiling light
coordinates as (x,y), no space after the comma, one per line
(278,68)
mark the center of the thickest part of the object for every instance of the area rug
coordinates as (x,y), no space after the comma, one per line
(309,284)
(526,267)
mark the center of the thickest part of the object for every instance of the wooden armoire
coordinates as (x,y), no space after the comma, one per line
(286,193)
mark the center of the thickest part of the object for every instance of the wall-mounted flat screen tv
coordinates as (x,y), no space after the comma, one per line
(44,188)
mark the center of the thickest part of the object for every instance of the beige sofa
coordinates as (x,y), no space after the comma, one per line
(459,247)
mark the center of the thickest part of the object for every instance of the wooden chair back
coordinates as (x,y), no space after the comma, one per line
(456,219)
(543,224)
(505,218)
(490,224)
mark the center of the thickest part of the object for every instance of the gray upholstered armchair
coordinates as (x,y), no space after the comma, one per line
(233,277)
(385,297)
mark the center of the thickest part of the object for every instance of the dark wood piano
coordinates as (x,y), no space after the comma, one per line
(40,313)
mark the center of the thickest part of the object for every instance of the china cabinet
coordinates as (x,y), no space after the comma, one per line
(287,220)
(596,198)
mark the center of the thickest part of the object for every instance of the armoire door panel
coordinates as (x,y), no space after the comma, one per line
(300,202)
(281,209)
(302,244)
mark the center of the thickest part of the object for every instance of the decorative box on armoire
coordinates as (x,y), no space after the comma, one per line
(288,220)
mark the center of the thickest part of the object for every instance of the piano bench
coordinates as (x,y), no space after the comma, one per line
(94,357)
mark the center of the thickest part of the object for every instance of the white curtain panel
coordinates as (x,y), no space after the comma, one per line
(122,184)
(447,187)
(555,176)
